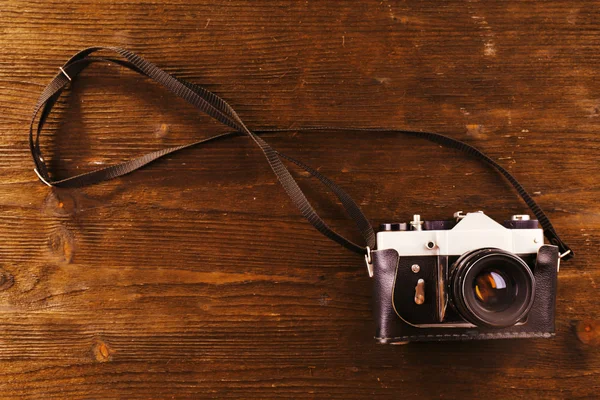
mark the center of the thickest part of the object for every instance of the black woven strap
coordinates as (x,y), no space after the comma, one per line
(218,109)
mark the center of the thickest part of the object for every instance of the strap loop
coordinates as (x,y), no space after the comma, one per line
(208,103)
(217,108)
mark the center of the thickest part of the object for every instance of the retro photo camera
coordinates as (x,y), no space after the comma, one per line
(466,278)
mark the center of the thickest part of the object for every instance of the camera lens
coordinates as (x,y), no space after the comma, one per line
(492,288)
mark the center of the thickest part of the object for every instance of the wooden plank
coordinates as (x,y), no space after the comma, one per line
(196,277)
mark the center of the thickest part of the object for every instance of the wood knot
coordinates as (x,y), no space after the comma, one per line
(7,280)
(162,130)
(477,131)
(61,243)
(588,332)
(59,203)
(101,351)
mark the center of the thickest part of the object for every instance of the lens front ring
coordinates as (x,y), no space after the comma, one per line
(492,287)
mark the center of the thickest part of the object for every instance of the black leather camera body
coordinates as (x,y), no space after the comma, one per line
(461,279)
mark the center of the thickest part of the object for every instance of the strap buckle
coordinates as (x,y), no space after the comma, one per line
(369,262)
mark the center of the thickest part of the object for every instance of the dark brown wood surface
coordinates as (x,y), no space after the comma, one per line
(197,278)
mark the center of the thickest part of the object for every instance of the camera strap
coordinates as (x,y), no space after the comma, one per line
(217,108)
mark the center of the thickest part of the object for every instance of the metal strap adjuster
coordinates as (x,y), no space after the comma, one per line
(369,262)
(564,254)
(63,71)
(40,177)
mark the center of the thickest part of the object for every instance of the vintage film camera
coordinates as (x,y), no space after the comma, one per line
(465,278)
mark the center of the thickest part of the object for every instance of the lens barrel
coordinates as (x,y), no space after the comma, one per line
(492,288)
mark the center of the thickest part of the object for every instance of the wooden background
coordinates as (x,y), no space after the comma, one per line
(197,278)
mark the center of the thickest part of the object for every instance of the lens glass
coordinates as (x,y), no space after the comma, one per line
(494,289)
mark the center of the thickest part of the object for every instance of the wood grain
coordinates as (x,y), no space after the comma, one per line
(196,277)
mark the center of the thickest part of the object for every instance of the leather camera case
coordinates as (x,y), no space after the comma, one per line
(388,266)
